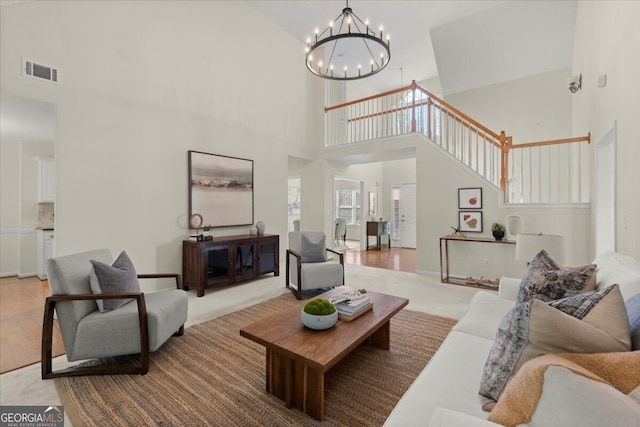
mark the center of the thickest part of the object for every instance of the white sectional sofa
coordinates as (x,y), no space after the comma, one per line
(446,392)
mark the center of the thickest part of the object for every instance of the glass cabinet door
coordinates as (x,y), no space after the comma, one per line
(245,260)
(218,264)
(267,257)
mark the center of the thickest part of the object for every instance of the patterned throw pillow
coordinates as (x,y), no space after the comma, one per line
(546,280)
(633,311)
(119,277)
(592,322)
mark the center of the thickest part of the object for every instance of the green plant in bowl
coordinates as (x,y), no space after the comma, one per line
(498,230)
(498,227)
(319,314)
(319,307)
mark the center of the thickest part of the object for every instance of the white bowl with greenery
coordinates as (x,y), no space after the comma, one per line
(319,314)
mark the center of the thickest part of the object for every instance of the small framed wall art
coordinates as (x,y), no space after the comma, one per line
(470,221)
(470,198)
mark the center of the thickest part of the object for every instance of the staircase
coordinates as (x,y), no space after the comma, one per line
(555,171)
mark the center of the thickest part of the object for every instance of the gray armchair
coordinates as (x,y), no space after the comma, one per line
(307,265)
(140,326)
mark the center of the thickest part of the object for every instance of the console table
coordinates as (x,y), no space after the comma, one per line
(229,259)
(378,229)
(445,277)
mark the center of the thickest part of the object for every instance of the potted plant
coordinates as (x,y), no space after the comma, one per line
(498,231)
(319,314)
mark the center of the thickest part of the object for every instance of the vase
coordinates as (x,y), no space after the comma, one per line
(260,227)
(253,230)
(498,235)
(319,323)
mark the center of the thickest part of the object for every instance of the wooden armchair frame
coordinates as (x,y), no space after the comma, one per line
(298,291)
(141,368)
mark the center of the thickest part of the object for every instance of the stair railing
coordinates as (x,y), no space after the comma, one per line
(521,171)
(553,171)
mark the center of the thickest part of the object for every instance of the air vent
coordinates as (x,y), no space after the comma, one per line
(40,71)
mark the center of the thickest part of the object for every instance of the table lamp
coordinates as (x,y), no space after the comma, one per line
(528,245)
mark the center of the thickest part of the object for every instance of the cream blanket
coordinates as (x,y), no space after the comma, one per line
(520,398)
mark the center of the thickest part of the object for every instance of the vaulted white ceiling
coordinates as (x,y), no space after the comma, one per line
(467,44)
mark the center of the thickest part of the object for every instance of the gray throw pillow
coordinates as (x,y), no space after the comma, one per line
(120,277)
(546,280)
(95,288)
(313,247)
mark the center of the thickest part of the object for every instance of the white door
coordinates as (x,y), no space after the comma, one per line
(605,203)
(408,215)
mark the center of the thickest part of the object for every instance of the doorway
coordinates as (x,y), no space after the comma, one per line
(26,136)
(348,204)
(605,203)
(403,208)
(294,203)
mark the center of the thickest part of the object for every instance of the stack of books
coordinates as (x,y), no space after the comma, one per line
(351,304)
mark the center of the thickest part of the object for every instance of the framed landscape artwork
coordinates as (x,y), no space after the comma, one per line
(470,221)
(470,198)
(220,189)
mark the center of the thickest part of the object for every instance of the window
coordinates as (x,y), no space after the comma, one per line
(405,116)
(293,202)
(348,206)
(395,206)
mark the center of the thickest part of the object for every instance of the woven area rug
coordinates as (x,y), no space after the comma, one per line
(212,376)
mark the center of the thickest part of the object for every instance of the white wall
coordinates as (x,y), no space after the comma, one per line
(439,176)
(528,109)
(142,83)
(607,41)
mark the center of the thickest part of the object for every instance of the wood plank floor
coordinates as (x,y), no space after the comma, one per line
(399,259)
(22,306)
(21,314)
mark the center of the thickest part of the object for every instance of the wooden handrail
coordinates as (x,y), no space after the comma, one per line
(368,98)
(586,138)
(414,86)
(502,141)
(391,111)
(458,112)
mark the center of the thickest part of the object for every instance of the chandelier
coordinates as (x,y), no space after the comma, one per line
(347,49)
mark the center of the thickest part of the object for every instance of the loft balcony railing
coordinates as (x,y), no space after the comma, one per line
(555,171)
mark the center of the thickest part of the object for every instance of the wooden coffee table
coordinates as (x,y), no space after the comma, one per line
(297,358)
